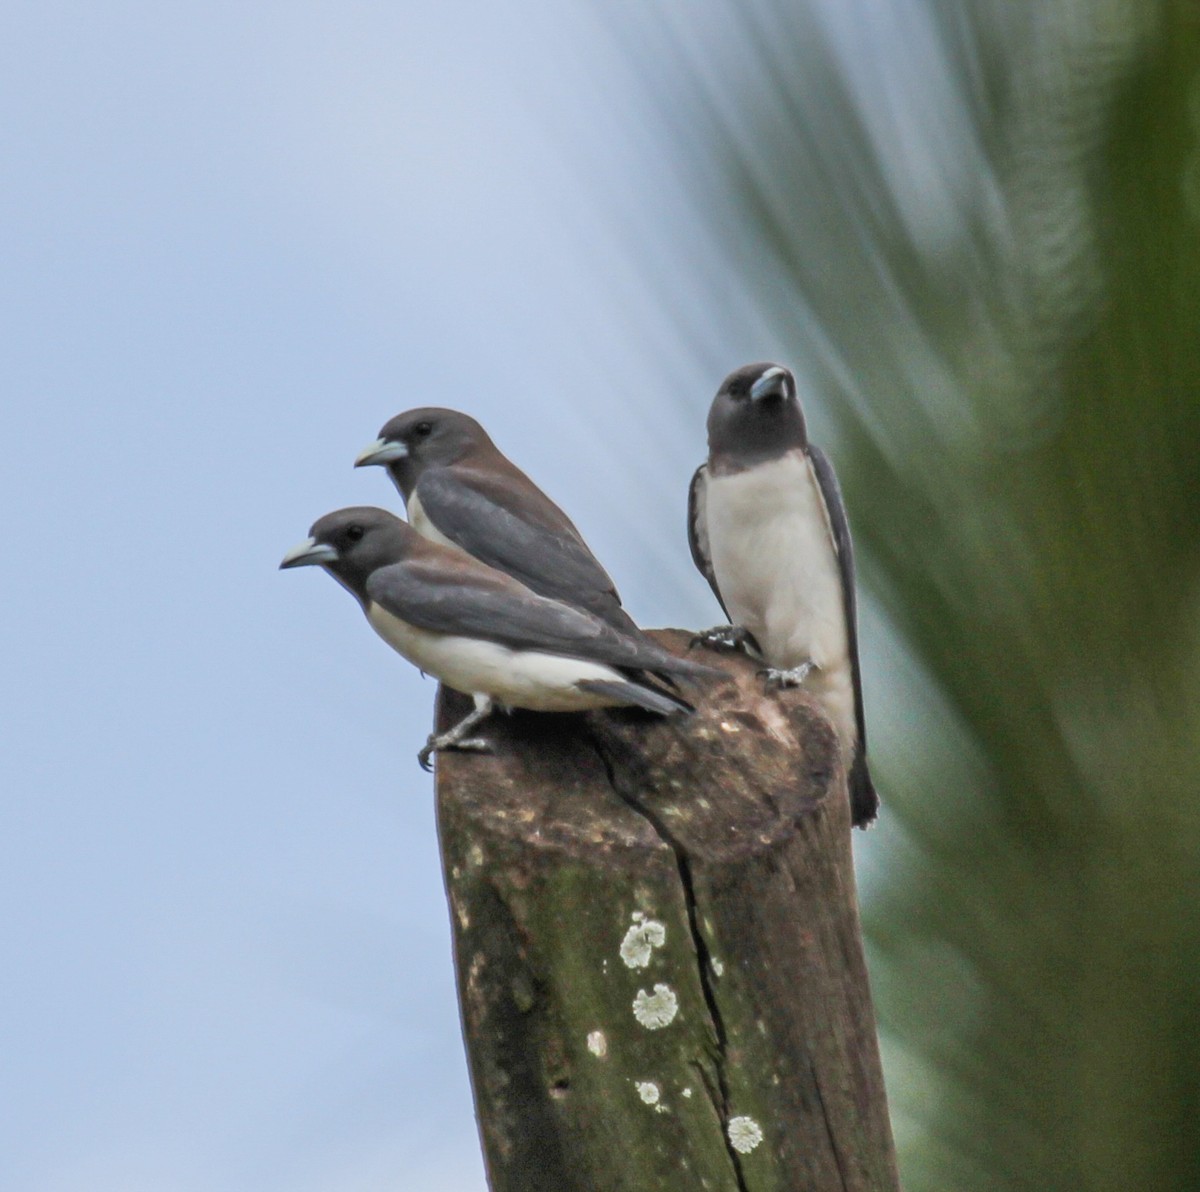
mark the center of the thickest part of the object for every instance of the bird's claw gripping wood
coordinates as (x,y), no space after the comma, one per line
(438,742)
(793,677)
(456,737)
(724,637)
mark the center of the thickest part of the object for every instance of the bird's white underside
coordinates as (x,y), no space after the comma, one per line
(773,554)
(516,678)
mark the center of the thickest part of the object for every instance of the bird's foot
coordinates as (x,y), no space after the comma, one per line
(792,677)
(725,637)
(455,737)
(439,741)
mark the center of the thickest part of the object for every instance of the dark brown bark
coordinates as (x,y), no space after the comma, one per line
(659,956)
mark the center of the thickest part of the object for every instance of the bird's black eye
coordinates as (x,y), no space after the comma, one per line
(422,428)
(354,533)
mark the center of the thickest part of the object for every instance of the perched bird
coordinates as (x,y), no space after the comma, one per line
(483,633)
(768,531)
(460,490)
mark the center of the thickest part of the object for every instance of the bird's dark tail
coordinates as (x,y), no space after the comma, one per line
(616,616)
(635,695)
(687,670)
(670,668)
(634,652)
(864,802)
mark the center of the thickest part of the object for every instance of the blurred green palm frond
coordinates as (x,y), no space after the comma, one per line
(977,225)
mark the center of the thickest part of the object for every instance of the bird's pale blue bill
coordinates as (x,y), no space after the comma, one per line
(773,383)
(309,553)
(382,451)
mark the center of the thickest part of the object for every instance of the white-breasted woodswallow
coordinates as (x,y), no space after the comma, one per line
(768,531)
(461,490)
(482,632)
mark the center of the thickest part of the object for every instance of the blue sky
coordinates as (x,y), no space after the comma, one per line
(238,238)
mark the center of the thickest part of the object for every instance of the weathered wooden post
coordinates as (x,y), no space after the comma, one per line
(659,957)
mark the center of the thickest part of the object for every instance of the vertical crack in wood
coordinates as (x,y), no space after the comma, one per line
(699,945)
(833,1142)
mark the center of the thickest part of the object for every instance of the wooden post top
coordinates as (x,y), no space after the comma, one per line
(659,955)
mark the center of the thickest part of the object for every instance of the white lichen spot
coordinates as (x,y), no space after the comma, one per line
(640,941)
(597,1044)
(726,727)
(718,968)
(657,1009)
(744,1134)
(648,1091)
(475,856)
(637,916)
(686,1093)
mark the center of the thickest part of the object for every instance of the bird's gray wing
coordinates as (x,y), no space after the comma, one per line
(698,531)
(520,531)
(831,493)
(461,599)
(864,802)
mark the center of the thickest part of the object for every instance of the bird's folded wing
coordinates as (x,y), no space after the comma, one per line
(494,518)
(698,531)
(463,600)
(831,494)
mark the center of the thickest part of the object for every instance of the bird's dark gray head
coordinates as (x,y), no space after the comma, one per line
(352,543)
(755,417)
(417,439)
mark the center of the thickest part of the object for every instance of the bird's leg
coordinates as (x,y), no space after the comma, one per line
(726,637)
(455,737)
(791,677)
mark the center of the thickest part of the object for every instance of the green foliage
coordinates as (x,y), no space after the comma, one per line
(1007,331)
